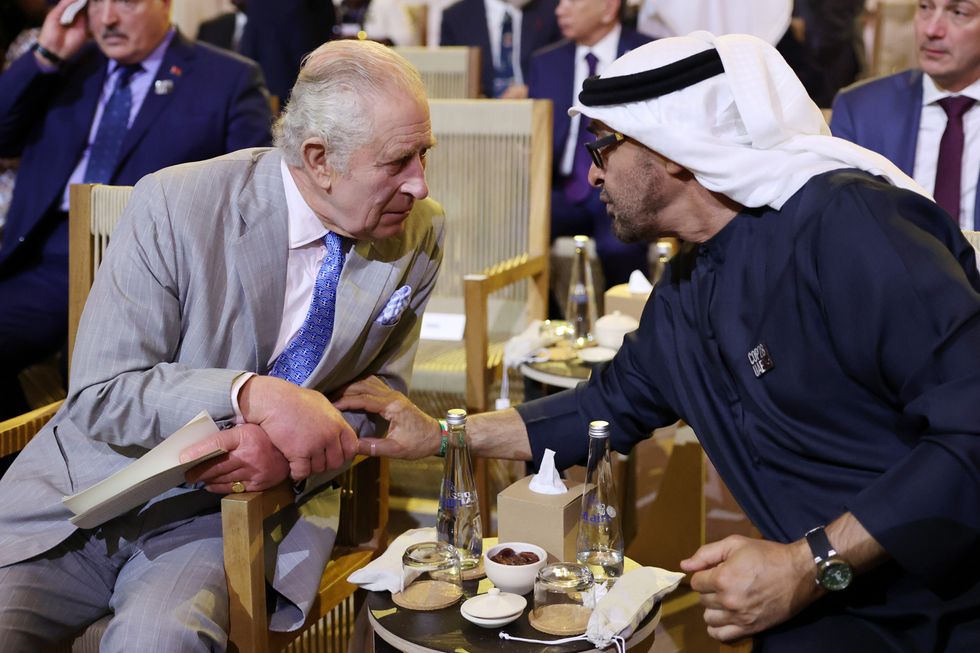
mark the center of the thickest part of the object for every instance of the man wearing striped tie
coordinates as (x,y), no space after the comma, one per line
(252,286)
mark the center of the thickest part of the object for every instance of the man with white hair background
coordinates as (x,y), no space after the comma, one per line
(820,333)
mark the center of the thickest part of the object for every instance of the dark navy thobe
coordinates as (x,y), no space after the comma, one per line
(828,357)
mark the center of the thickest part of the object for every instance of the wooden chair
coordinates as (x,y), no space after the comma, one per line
(448,72)
(892,39)
(94,211)
(491,171)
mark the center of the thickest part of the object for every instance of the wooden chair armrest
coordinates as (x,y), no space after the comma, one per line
(16,432)
(477,288)
(360,537)
(506,273)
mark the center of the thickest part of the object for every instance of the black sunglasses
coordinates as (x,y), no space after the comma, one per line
(595,147)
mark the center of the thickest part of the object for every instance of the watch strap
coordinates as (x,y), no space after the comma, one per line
(820,545)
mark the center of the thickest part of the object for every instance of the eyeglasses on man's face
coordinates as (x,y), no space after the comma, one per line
(595,147)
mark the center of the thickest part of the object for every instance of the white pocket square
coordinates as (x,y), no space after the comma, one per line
(395,307)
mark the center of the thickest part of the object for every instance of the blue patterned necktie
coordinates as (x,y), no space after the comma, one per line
(577,187)
(503,75)
(112,129)
(301,356)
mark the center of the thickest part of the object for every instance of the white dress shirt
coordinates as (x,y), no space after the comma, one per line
(932,124)
(605,53)
(306,254)
(495,21)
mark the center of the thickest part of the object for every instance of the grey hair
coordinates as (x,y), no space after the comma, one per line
(331,100)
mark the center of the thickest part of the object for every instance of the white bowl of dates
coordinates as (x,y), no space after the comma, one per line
(513,566)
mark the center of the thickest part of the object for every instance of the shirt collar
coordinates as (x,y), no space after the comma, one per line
(304,226)
(932,93)
(604,50)
(498,8)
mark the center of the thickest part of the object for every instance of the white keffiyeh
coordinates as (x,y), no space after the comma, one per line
(751,133)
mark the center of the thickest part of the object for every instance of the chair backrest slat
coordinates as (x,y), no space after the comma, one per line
(485,171)
(448,71)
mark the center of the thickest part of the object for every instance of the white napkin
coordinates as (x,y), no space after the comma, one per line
(628,602)
(639,284)
(385,573)
(618,613)
(547,480)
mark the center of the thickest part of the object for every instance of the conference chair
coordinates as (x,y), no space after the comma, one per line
(248,517)
(491,171)
(892,38)
(447,71)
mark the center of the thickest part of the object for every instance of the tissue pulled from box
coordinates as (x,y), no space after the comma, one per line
(639,284)
(547,480)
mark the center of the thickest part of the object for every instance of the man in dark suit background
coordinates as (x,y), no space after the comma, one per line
(927,120)
(487,23)
(140,98)
(225,30)
(279,33)
(592,31)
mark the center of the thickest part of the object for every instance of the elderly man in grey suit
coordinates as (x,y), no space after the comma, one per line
(249,286)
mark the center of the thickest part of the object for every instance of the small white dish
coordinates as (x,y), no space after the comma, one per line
(596,354)
(493,609)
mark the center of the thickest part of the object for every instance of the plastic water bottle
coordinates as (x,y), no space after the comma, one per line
(600,532)
(458,521)
(580,308)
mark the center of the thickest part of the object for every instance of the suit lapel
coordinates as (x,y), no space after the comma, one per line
(261,252)
(565,83)
(479,23)
(93,72)
(178,59)
(910,115)
(976,204)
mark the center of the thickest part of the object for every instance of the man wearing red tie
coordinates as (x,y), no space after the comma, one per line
(926,120)
(594,37)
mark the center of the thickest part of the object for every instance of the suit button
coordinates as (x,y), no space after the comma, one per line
(21,239)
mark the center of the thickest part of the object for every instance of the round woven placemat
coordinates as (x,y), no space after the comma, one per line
(474,572)
(563,619)
(427,595)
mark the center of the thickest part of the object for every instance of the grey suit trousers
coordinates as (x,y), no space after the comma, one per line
(164,585)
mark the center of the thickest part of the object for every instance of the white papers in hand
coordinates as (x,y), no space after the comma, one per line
(157,471)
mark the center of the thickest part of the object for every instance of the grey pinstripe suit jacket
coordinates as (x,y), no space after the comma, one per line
(189,296)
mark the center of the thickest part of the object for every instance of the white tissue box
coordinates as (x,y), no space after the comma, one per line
(619,298)
(548,520)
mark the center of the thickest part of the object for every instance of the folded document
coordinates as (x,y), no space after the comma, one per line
(157,471)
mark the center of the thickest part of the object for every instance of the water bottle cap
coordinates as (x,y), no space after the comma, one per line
(599,429)
(456,417)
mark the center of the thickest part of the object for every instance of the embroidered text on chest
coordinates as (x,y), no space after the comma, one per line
(760,360)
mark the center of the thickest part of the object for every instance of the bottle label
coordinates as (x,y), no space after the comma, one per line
(599,513)
(451,499)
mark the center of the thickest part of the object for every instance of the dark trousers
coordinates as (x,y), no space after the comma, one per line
(33,311)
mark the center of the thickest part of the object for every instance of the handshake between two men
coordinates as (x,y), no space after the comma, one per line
(288,432)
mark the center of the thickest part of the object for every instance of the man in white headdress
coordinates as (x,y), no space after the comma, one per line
(820,333)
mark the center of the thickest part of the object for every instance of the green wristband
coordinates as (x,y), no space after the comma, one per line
(444,427)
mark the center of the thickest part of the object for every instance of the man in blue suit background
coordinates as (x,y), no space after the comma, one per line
(486,24)
(140,98)
(916,117)
(593,33)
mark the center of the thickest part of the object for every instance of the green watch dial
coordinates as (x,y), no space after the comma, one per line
(835,574)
